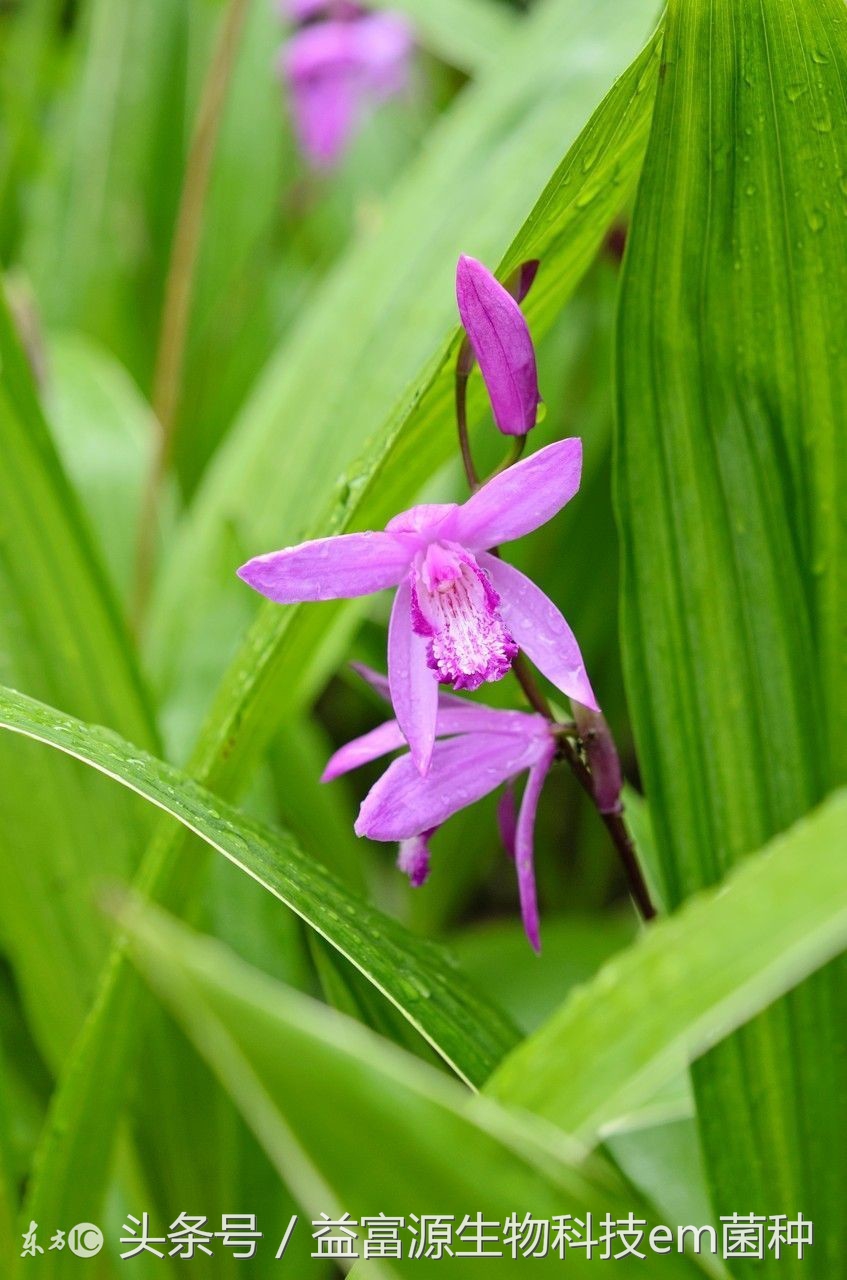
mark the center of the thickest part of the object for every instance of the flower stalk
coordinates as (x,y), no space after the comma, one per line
(464,365)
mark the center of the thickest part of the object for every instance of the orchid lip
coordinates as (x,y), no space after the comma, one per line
(456,608)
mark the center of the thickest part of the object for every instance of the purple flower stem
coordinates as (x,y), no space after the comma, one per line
(527,682)
(617,829)
(464,365)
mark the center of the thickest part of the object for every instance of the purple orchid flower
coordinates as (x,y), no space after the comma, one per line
(335,70)
(460,614)
(477,750)
(501,342)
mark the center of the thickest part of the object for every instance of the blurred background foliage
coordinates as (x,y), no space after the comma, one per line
(313,394)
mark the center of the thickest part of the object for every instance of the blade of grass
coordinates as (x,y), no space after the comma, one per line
(411,973)
(61,637)
(469,34)
(283,1056)
(732,446)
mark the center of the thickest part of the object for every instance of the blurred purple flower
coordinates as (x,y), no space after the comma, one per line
(459,612)
(477,750)
(501,342)
(336,70)
(386,41)
(306,10)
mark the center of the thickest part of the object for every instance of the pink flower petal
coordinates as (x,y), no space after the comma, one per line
(455,607)
(320,64)
(413,687)
(424,522)
(524,850)
(540,630)
(402,804)
(501,342)
(383,46)
(521,498)
(460,715)
(370,746)
(336,69)
(354,564)
(457,719)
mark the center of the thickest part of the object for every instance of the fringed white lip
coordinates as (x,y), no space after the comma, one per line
(456,607)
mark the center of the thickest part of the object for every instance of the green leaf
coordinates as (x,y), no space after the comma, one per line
(732,384)
(469,34)
(528,986)
(8,1196)
(688,981)
(105,434)
(28,41)
(313,813)
(411,973)
(664,1162)
(61,638)
(250,268)
(101,214)
(284,1057)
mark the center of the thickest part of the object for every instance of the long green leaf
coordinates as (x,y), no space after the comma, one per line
(413,974)
(467,33)
(101,212)
(688,982)
(8,1195)
(732,384)
(105,435)
(283,1057)
(60,638)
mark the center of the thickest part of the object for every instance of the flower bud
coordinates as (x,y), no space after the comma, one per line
(501,342)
